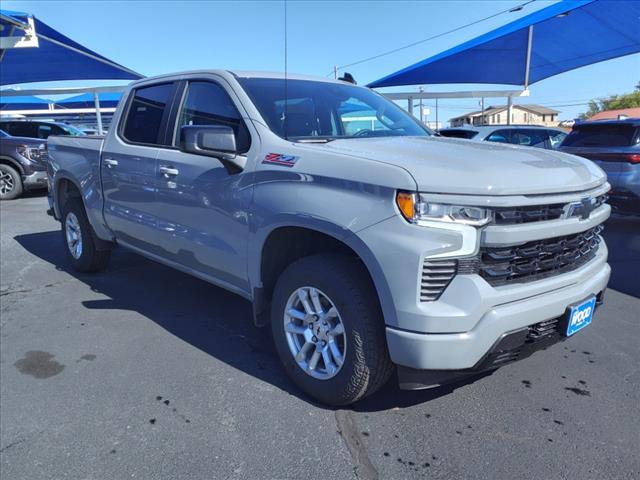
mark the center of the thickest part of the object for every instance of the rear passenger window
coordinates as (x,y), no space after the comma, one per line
(145,114)
(22,129)
(500,136)
(207,103)
(45,130)
(529,138)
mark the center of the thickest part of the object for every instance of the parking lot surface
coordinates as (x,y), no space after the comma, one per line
(145,372)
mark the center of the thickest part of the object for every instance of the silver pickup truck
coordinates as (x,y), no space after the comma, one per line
(367,244)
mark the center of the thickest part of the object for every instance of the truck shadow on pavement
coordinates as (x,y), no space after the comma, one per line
(209,318)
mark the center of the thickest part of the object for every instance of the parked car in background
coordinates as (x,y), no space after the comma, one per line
(615,146)
(38,128)
(23,165)
(524,135)
(367,249)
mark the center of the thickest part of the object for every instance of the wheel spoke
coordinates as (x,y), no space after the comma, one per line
(297,314)
(302,354)
(315,298)
(328,363)
(332,313)
(303,295)
(335,352)
(293,328)
(337,330)
(313,362)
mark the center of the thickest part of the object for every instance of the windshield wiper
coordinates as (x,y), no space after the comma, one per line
(315,140)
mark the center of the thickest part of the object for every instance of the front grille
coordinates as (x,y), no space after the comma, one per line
(436,276)
(537,213)
(538,259)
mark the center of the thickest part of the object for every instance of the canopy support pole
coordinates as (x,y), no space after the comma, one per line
(528,61)
(96,102)
(437,127)
(410,105)
(509,109)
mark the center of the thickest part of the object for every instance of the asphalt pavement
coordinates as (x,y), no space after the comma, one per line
(145,372)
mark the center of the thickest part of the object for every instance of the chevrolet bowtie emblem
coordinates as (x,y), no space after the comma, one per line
(583,208)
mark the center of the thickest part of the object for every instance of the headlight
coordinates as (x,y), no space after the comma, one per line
(33,153)
(414,208)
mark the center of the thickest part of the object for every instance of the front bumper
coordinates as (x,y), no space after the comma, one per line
(37,179)
(464,350)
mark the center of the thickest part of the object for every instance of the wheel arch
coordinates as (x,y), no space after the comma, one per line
(12,162)
(284,243)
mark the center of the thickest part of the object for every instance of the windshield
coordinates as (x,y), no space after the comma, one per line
(324,110)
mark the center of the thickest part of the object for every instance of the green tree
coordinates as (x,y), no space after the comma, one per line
(613,102)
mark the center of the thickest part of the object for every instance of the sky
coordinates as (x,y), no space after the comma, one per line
(153,37)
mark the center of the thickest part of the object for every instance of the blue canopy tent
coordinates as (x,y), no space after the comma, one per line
(27,102)
(86,100)
(56,57)
(564,36)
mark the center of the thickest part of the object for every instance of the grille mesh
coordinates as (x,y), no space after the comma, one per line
(436,275)
(538,259)
(536,213)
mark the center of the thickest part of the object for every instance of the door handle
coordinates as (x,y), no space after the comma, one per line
(110,162)
(169,171)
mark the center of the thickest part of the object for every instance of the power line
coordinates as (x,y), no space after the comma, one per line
(398,49)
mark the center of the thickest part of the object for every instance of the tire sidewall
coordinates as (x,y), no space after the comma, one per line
(339,389)
(17,182)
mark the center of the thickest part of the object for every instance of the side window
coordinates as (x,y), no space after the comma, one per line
(207,103)
(146,110)
(529,138)
(556,138)
(23,129)
(45,130)
(499,136)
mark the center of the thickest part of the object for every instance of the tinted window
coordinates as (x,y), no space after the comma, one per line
(620,135)
(21,129)
(312,109)
(208,103)
(529,138)
(499,136)
(145,114)
(556,138)
(44,131)
(458,133)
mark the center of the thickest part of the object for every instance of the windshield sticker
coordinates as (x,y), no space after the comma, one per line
(280,159)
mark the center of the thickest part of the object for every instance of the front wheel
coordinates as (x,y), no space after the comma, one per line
(78,239)
(10,182)
(328,329)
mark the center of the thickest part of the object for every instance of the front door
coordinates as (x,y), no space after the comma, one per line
(129,168)
(204,219)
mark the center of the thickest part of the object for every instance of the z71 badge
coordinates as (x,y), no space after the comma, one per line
(280,159)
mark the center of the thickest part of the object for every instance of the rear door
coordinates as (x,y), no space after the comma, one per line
(129,168)
(204,217)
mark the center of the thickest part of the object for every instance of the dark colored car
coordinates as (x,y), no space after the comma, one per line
(615,146)
(23,165)
(523,135)
(38,128)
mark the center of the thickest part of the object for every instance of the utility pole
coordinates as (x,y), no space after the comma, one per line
(482,108)
(335,72)
(421,113)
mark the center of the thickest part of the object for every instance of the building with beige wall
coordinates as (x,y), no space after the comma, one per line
(520,115)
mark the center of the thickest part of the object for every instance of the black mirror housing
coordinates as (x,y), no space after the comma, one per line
(218,141)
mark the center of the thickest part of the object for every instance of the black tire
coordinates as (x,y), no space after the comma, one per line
(90,259)
(11,187)
(367,365)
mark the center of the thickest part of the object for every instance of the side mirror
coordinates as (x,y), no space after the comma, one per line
(216,141)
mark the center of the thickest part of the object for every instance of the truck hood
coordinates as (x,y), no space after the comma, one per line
(444,165)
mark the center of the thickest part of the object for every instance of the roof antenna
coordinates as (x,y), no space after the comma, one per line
(286,96)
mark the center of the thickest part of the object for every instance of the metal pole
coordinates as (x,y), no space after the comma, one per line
(410,105)
(335,72)
(509,109)
(528,62)
(421,114)
(437,125)
(482,113)
(96,102)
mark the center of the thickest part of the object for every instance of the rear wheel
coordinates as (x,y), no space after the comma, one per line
(10,183)
(328,329)
(78,239)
